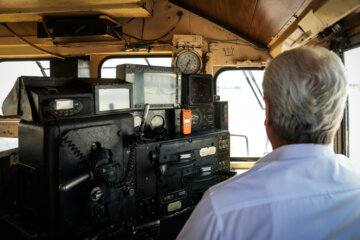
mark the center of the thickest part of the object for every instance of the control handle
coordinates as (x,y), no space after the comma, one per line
(144,117)
(64,187)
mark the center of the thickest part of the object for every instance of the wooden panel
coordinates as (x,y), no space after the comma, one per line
(233,15)
(271,16)
(257,21)
(33,10)
(9,129)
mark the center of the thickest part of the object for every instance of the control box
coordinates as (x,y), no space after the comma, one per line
(202,117)
(62,102)
(222,115)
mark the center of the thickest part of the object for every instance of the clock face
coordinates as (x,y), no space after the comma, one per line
(188,62)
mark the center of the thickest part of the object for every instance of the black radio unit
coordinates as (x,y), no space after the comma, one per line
(62,102)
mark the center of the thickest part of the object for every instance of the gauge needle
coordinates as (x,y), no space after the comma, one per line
(187,64)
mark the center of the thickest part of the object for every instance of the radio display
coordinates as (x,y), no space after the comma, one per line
(64,104)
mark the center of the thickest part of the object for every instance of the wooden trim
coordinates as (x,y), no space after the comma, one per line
(241,165)
(9,128)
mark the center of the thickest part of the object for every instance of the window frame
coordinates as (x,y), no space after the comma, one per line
(11,122)
(342,136)
(236,161)
(101,63)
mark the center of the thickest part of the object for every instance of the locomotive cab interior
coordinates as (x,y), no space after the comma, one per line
(118,115)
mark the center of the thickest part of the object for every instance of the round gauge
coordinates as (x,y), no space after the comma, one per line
(157,121)
(195,118)
(189,62)
(137,121)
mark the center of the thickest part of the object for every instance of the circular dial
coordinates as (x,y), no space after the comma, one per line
(195,118)
(157,121)
(188,62)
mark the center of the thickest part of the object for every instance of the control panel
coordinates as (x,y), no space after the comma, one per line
(202,117)
(222,115)
(223,151)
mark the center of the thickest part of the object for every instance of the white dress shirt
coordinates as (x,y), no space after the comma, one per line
(300,191)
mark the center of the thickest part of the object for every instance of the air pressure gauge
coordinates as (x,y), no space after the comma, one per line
(189,62)
(157,121)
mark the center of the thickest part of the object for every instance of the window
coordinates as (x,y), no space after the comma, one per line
(242,88)
(108,68)
(352,59)
(11,70)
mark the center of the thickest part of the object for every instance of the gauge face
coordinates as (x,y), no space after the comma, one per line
(195,118)
(157,121)
(188,62)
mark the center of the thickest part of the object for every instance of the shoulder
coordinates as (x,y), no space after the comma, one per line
(240,191)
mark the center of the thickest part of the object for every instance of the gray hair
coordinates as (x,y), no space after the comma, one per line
(306,88)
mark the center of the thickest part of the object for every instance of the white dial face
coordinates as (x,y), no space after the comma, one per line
(188,62)
(157,121)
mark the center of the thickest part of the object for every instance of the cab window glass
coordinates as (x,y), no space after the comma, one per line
(352,59)
(11,70)
(108,68)
(242,88)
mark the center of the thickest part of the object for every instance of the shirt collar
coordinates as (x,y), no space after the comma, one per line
(296,151)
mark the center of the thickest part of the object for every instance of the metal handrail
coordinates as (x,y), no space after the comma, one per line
(246,140)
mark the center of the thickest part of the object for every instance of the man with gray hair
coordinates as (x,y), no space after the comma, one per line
(302,189)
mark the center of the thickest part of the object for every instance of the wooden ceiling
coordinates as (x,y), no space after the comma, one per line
(255,20)
(34,10)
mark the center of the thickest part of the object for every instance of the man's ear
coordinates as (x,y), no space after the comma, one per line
(267,122)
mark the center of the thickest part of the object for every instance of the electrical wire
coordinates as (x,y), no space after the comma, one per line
(57,124)
(30,43)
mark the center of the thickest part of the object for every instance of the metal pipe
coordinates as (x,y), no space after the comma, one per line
(246,140)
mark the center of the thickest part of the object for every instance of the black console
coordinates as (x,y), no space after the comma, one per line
(96,161)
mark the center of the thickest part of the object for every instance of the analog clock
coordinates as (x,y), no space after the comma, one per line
(189,62)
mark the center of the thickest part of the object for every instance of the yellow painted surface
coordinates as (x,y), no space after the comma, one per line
(9,129)
(315,18)
(220,47)
(241,165)
(311,24)
(34,10)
